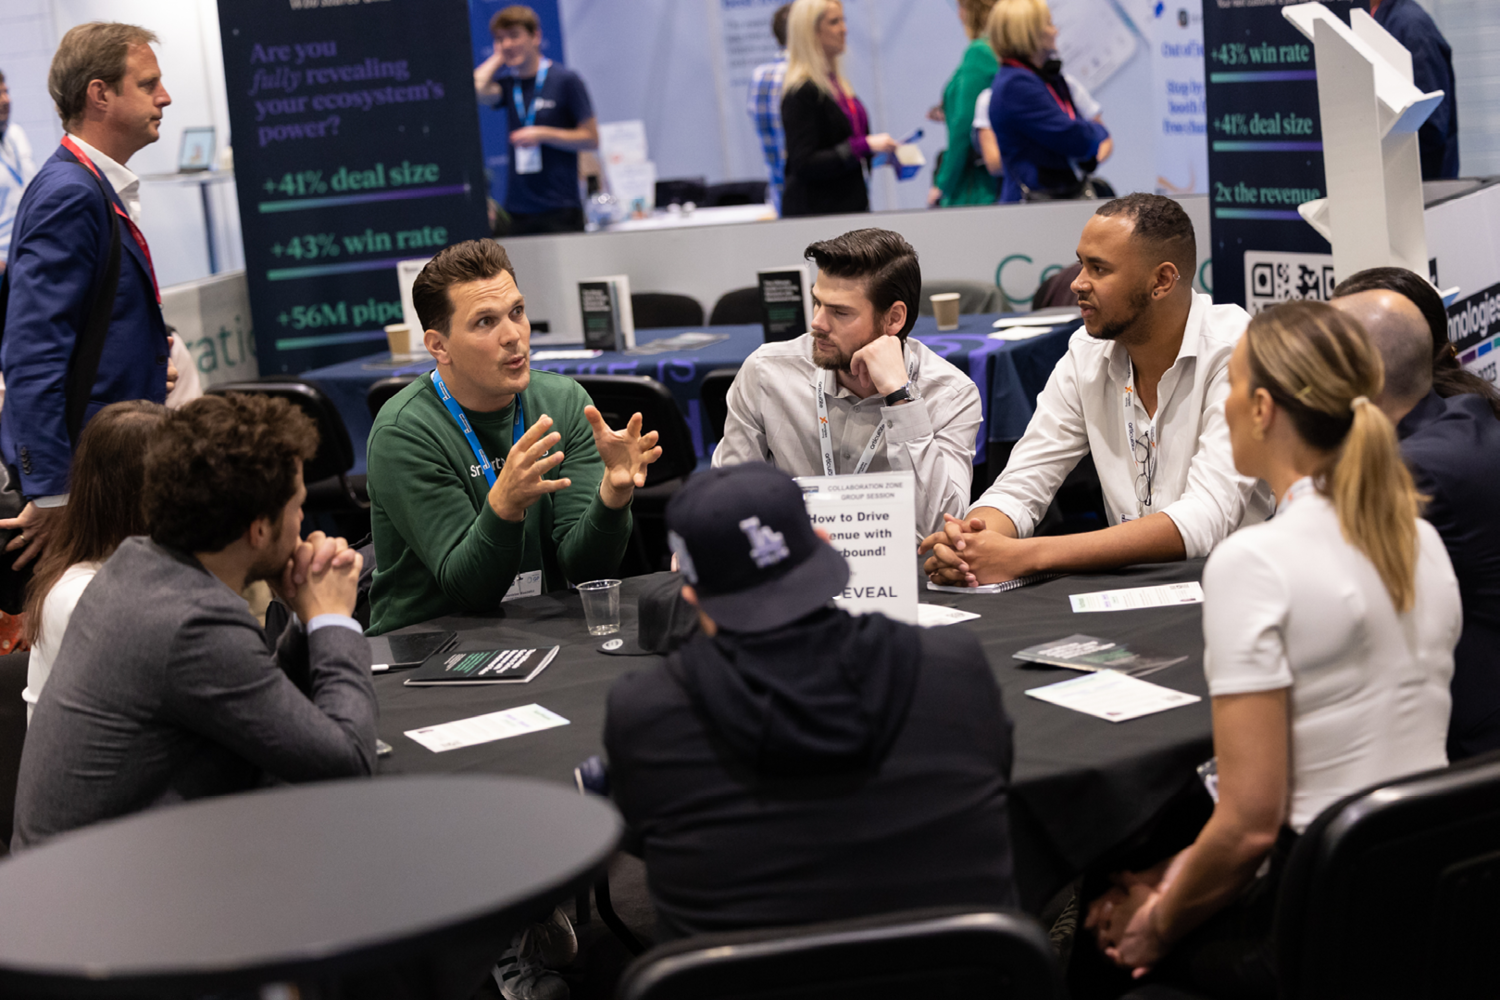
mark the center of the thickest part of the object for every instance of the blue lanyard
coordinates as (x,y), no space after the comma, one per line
(518,426)
(528,118)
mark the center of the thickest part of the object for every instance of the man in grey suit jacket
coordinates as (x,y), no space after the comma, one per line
(164,688)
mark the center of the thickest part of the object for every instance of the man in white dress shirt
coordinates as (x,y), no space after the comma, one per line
(16,169)
(1142,389)
(855,395)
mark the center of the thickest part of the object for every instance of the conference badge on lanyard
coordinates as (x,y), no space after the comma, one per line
(825,436)
(529,158)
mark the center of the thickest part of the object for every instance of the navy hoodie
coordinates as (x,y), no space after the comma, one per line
(838,767)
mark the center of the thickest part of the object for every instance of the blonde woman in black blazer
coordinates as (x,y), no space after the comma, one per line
(826,125)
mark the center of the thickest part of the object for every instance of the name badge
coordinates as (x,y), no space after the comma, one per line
(526,585)
(528,159)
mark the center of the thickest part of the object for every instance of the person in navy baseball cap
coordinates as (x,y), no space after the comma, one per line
(748,550)
(792,762)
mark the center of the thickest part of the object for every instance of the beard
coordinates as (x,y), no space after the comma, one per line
(1135,306)
(834,360)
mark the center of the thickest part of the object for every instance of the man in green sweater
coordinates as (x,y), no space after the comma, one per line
(456,530)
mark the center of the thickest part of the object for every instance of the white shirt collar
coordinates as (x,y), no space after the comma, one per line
(126,184)
(1119,357)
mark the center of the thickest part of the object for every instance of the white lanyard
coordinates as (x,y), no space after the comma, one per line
(825,436)
(1147,467)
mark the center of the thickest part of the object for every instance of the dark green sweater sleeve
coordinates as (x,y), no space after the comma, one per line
(975,72)
(590,538)
(473,556)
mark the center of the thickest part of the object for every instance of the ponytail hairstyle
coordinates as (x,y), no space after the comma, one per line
(1319,367)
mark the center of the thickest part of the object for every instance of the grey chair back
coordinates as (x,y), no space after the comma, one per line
(974,297)
(929,954)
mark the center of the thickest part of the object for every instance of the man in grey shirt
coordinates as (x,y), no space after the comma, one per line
(164,688)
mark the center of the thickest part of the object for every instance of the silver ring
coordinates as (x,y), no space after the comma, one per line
(21,537)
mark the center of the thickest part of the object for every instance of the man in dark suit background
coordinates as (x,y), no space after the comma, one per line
(1452,446)
(108,90)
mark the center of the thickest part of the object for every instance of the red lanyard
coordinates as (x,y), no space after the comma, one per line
(135,231)
(1067,106)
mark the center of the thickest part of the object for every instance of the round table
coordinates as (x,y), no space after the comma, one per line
(1081,788)
(304,882)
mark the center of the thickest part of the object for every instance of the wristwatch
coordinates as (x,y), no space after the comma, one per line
(901,395)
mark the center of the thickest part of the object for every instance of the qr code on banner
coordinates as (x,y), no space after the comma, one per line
(1276,277)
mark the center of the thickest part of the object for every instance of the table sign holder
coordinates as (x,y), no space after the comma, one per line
(786,308)
(608,320)
(1370,111)
(406,276)
(869,520)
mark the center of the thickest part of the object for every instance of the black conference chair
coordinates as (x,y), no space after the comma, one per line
(974,297)
(679,190)
(12,738)
(932,954)
(1390,892)
(1056,290)
(737,307)
(331,489)
(381,391)
(735,193)
(714,395)
(619,396)
(658,309)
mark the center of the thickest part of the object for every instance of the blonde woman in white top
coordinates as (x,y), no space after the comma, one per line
(1329,634)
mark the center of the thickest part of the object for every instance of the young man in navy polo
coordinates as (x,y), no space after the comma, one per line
(550,119)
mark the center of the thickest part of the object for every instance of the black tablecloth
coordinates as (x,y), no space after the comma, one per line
(1081,786)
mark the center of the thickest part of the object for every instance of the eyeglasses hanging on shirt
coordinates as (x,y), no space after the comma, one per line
(1142,439)
(825,436)
(529,158)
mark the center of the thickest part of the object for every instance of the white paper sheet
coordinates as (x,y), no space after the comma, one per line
(486,728)
(1021,332)
(1042,318)
(1112,696)
(565,354)
(933,615)
(1135,598)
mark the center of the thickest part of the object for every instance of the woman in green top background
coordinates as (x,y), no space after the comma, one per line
(961,178)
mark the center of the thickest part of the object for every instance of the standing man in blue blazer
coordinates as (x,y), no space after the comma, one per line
(108,90)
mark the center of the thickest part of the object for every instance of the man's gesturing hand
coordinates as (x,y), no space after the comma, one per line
(520,483)
(626,454)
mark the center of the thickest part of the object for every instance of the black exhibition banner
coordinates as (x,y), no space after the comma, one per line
(1265,153)
(356,145)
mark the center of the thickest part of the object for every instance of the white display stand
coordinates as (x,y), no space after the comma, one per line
(1370,112)
(869,521)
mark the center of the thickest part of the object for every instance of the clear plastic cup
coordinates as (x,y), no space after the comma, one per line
(601,606)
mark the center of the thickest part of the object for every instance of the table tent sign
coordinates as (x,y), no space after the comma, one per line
(869,520)
(1371,111)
